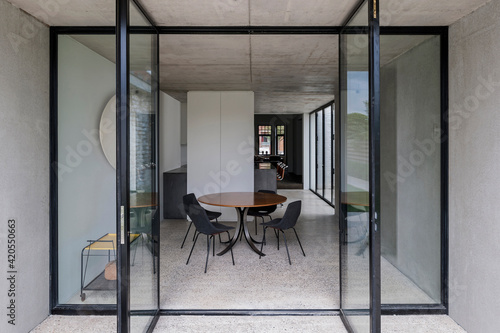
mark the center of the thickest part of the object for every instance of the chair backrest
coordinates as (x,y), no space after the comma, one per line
(291,215)
(267,209)
(188,200)
(197,214)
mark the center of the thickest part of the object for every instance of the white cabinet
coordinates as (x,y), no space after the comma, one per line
(220,143)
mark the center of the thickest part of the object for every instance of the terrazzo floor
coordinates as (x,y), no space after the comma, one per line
(255,324)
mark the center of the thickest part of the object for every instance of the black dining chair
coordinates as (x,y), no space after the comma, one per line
(288,221)
(203,226)
(190,199)
(262,211)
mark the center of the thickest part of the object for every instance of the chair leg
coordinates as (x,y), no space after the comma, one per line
(214,244)
(208,252)
(187,232)
(277,236)
(194,243)
(299,242)
(255,222)
(263,241)
(284,237)
(232,256)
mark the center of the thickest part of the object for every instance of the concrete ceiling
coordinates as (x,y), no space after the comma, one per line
(288,73)
(253,12)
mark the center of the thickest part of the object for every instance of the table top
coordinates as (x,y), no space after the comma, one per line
(242,199)
(142,200)
(360,198)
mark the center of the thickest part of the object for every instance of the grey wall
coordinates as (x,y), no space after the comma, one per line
(474,177)
(411,213)
(87,187)
(24,164)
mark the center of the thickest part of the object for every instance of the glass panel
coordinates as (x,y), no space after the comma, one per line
(144,215)
(328,154)
(280,146)
(319,152)
(333,153)
(410,165)
(264,144)
(264,130)
(354,97)
(312,151)
(86,172)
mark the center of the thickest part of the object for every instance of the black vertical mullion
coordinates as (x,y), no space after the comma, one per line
(54,182)
(156,230)
(122,164)
(444,168)
(374,144)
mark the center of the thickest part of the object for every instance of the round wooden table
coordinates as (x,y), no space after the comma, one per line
(242,201)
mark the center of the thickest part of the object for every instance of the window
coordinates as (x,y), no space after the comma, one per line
(280,140)
(265,140)
(271,139)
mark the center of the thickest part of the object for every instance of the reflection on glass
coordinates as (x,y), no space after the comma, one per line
(319,152)
(410,163)
(86,180)
(143,174)
(354,93)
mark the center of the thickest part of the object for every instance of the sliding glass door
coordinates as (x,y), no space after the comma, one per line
(322,152)
(359,135)
(137,169)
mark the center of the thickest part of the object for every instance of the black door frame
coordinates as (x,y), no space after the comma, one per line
(111,309)
(123,31)
(373,32)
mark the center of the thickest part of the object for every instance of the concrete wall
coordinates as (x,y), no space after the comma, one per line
(24,165)
(87,187)
(410,175)
(170,137)
(474,177)
(221,143)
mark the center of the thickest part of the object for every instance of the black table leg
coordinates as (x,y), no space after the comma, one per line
(241,227)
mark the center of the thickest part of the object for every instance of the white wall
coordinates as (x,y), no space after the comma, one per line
(24,164)
(220,143)
(170,137)
(474,176)
(87,188)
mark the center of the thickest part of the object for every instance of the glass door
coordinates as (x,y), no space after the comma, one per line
(359,113)
(137,151)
